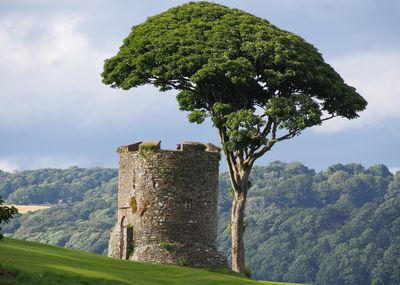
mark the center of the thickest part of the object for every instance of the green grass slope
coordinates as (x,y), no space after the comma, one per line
(23,262)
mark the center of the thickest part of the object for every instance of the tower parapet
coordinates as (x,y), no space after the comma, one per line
(167,205)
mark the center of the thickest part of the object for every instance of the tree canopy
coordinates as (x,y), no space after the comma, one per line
(226,64)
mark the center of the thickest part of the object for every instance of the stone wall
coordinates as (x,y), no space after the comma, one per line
(168,201)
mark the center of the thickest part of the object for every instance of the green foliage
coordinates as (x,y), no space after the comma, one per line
(80,225)
(296,234)
(339,226)
(387,271)
(240,70)
(259,84)
(147,147)
(244,129)
(197,117)
(199,146)
(52,186)
(245,224)
(145,151)
(6,213)
(247,271)
(183,261)
(167,246)
(40,264)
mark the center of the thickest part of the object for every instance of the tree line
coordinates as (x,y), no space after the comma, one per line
(338,226)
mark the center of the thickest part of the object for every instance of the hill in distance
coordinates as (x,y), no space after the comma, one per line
(337,226)
(23,263)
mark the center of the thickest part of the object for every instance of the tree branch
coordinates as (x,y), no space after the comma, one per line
(263,134)
(250,161)
(274,128)
(328,118)
(232,165)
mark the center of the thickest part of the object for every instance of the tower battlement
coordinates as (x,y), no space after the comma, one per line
(167,204)
(156,146)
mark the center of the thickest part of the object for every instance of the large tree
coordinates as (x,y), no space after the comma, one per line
(259,84)
(6,213)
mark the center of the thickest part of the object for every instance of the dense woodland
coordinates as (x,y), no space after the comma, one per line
(339,226)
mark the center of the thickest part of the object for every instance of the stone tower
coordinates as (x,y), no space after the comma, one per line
(167,205)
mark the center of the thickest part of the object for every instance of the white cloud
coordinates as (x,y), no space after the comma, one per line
(52,70)
(376,77)
(27,1)
(21,162)
(31,42)
(393,170)
(7,165)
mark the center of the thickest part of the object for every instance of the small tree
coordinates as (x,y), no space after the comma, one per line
(259,85)
(6,213)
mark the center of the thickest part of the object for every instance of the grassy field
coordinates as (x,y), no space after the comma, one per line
(23,263)
(22,209)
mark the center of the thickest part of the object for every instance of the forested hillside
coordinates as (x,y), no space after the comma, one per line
(51,186)
(339,226)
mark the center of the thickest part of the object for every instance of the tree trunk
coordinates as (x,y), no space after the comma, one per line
(237,228)
(239,176)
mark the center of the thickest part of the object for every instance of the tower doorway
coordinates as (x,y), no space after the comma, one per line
(126,239)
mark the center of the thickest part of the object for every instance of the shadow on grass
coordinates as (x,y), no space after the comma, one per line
(14,276)
(225,271)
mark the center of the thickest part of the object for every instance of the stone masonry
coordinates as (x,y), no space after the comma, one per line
(167,205)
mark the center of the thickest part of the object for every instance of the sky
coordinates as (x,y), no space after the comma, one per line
(55,112)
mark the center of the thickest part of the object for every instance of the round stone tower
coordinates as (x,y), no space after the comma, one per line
(167,205)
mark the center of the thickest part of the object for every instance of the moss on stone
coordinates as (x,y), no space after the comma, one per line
(167,246)
(147,147)
(145,151)
(198,146)
(133,204)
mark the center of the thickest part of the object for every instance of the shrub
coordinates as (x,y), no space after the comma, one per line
(147,147)
(247,271)
(167,245)
(183,261)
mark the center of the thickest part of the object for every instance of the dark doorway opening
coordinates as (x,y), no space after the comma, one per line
(126,239)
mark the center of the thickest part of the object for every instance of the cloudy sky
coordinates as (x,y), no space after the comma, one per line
(54,111)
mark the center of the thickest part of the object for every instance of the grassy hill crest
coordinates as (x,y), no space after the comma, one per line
(23,262)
